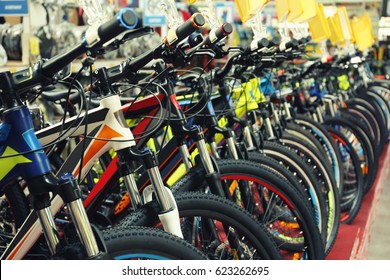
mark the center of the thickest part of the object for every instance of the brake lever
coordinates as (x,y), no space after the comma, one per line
(218,50)
(235,49)
(268,59)
(130,35)
(208,52)
(189,53)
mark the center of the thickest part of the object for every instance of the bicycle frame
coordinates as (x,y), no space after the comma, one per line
(22,156)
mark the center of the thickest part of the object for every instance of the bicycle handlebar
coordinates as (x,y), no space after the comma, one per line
(176,35)
(170,41)
(126,19)
(44,70)
(218,34)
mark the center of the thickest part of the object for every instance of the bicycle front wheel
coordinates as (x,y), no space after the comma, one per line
(215,225)
(273,202)
(135,243)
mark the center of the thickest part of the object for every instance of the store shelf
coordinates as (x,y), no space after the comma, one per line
(352,240)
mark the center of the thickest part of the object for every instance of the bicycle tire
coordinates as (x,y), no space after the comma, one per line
(346,122)
(234,170)
(145,243)
(316,201)
(360,125)
(300,169)
(300,132)
(353,178)
(18,203)
(209,208)
(327,180)
(381,105)
(320,133)
(378,123)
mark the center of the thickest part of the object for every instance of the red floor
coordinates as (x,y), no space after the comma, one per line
(352,240)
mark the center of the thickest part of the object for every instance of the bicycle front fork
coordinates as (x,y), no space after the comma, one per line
(212,175)
(169,214)
(66,186)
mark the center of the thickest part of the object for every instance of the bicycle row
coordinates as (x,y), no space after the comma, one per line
(238,162)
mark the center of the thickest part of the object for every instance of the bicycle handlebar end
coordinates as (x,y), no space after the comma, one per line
(216,35)
(176,35)
(128,18)
(125,20)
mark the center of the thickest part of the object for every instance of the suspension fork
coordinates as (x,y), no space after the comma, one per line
(250,143)
(169,214)
(269,129)
(41,181)
(180,130)
(332,107)
(230,137)
(196,134)
(213,177)
(234,151)
(66,186)
(168,211)
(286,108)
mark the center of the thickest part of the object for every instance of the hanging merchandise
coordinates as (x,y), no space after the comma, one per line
(336,35)
(47,43)
(11,39)
(138,46)
(66,35)
(249,8)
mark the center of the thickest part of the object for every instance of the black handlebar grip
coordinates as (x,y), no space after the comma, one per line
(275,41)
(292,44)
(174,36)
(295,43)
(257,45)
(302,41)
(289,45)
(216,35)
(263,43)
(126,19)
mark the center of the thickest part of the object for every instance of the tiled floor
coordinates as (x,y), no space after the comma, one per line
(379,244)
